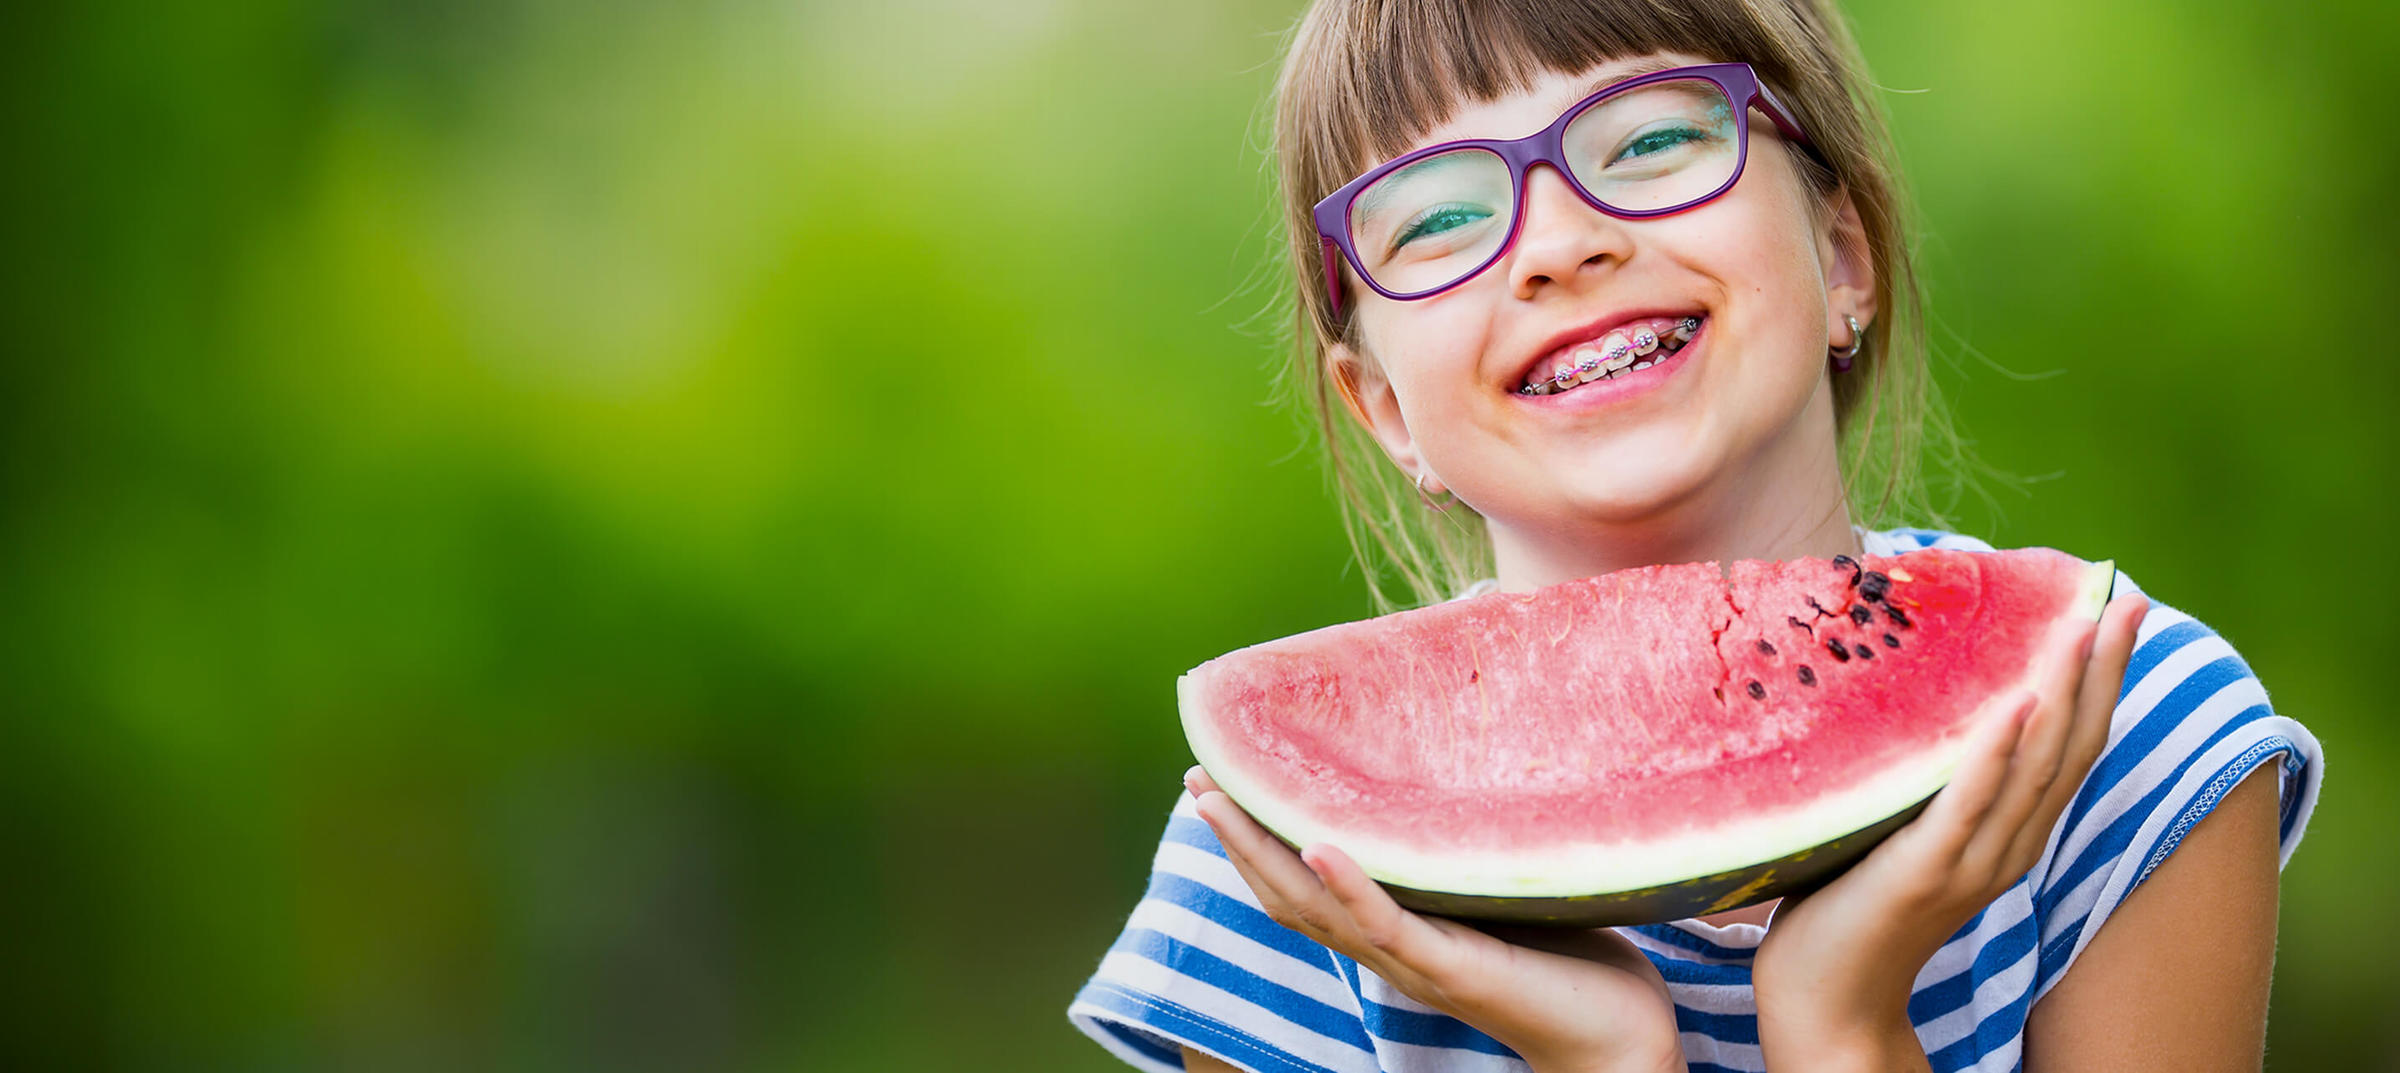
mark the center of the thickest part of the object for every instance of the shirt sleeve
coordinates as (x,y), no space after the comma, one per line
(1199,964)
(2191,721)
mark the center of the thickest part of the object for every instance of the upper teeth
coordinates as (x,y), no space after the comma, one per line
(1614,353)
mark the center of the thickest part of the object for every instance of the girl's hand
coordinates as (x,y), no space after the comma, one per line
(1567,1001)
(1834,973)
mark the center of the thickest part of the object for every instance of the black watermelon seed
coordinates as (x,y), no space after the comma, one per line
(1863,651)
(1807,676)
(1841,652)
(1873,586)
(1821,612)
(1851,564)
(1859,614)
(1898,619)
(1795,620)
(1757,691)
(1764,647)
(1890,641)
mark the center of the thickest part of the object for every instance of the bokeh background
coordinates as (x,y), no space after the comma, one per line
(551,535)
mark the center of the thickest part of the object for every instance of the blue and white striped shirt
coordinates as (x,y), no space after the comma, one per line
(1200,964)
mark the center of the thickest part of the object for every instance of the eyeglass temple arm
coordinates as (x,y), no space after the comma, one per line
(1782,117)
(1333,271)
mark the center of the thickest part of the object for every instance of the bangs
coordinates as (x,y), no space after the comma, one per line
(1377,76)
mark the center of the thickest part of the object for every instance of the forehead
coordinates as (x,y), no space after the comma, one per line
(1548,95)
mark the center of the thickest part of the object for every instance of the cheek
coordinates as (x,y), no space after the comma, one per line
(1427,348)
(1769,264)
(1769,229)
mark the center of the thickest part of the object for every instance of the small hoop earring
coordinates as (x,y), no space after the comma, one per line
(1842,355)
(1442,504)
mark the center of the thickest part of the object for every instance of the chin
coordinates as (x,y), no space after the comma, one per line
(1632,481)
(1624,504)
(1594,498)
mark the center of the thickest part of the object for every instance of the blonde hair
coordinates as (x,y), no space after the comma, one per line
(1363,79)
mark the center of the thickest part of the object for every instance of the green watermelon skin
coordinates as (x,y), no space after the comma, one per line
(1797,872)
(1622,749)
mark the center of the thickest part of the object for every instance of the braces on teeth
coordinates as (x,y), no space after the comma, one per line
(1618,358)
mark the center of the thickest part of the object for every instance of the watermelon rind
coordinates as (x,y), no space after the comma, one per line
(1793,873)
(1673,876)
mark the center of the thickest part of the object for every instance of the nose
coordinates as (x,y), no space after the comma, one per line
(1562,239)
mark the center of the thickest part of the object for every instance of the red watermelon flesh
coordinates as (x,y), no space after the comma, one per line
(1636,729)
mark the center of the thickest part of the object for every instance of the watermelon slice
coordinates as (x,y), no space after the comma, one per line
(1642,746)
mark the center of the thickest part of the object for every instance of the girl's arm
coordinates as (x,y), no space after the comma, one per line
(2177,977)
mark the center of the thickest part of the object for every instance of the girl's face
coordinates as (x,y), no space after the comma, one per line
(1733,431)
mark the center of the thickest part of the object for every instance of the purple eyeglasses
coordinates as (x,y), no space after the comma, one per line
(1648,146)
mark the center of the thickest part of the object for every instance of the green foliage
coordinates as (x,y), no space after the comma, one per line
(551,536)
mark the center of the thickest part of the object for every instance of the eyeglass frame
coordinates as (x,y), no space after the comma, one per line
(1548,146)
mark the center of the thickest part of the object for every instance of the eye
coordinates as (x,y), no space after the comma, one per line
(1659,140)
(1438,219)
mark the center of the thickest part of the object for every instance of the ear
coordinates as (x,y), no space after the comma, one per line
(1372,402)
(1849,267)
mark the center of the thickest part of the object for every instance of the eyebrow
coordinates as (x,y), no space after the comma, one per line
(1649,66)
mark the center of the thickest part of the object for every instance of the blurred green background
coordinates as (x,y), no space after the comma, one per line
(609,536)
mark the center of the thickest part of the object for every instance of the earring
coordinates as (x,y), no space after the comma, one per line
(1437,504)
(1842,355)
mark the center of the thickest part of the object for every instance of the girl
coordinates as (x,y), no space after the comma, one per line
(1636,320)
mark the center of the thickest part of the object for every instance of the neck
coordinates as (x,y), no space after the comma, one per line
(1789,506)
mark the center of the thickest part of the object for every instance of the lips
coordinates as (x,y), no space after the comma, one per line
(1601,354)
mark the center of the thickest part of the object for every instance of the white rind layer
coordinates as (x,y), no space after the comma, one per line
(1567,869)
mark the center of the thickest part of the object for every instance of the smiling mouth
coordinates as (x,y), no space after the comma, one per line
(1619,353)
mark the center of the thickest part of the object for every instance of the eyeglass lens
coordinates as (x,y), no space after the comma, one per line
(1436,221)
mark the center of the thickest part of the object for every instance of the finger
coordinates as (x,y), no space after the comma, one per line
(2034,768)
(2095,703)
(1276,904)
(1273,871)
(1277,908)
(2104,678)
(1961,805)
(2042,749)
(2096,699)
(1410,941)
(1197,781)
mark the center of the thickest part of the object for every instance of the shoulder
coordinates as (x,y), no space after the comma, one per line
(1200,965)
